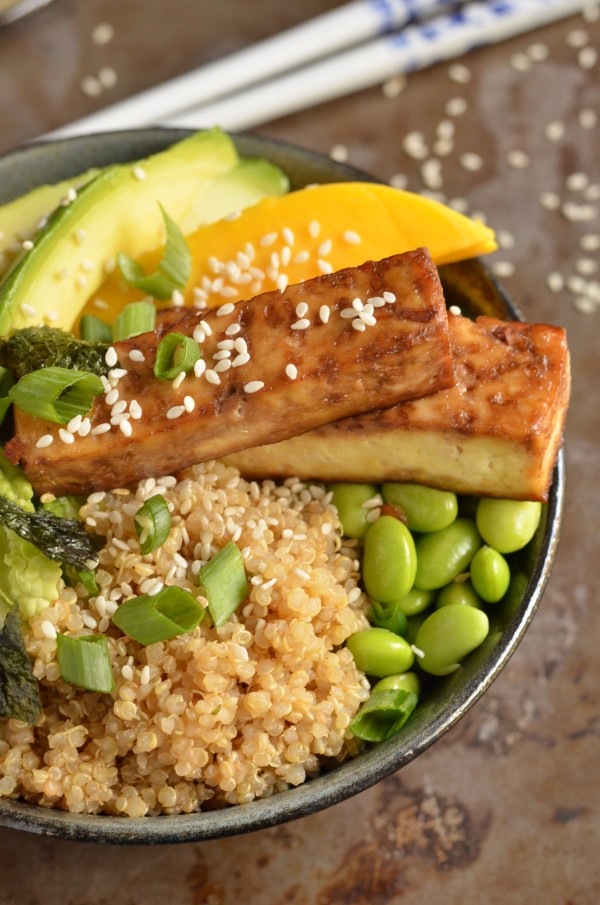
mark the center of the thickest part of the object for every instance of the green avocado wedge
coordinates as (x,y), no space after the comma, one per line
(20,219)
(117,211)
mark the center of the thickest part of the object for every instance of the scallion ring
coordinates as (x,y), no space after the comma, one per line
(85,662)
(176,353)
(174,268)
(135,318)
(56,394)
(224,581)
(171,612)
(152,523)
(383,714)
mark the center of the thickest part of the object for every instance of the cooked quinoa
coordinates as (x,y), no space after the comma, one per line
(218,716)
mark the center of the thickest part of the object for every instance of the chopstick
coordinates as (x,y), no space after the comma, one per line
(415,47)
(317,38)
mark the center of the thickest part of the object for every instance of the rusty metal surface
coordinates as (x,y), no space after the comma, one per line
(505,808)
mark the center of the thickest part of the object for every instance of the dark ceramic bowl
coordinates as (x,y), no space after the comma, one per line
(467,284)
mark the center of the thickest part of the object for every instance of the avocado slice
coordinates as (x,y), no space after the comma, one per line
(118,211)
(252,179)
(20,219)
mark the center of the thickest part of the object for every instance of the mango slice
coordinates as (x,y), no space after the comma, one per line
(314,230)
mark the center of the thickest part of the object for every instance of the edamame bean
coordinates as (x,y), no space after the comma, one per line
(388,616)
(406,681)
(389,560)
(348,499)
(444,555)
(490,574)
(416,601)
(448,635)
(426,509)
(507,525)
(379,652)
(458,592)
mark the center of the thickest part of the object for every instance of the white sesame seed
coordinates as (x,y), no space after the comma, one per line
(399,181)
(81,282)
(587,118)
(28,310)
(177,381)
(359,325)
(135,409)
(139,173)
(394,86)
(212,376)
(579,212)
(48,629)
(352,237)
(301,324)
(590,242)
(324,266)
(65,435)
(324,248)
(301,309)
(538,52)
(586,266)
(413,144)
(206,327)
(517,159)
(27,244)
(459,73)
(291,371)
(100,429)
(254,386)
(576,182)
(117,373)
(389,297)
(357,304)
(189,404)
(112,397)
(85,427)
(454,310)
(91,86)
(274,259)
(102,34)
(45,441)
(314,228)
(242,359)
(456,106)
(417,651)
(324,313)
(550,201)
(199,334)
(267,239)
(126,428)
(175,412)
(177,299)
(282,282)
(223,365)
(199,367)
(348,313)
(127,672)
(503,268)
(240,344)
(471,161)
(373,515)
(339,152)
(301,573)
(221,354)
(288,235)
(521,62)
(301,258)
(576,38)
(117,409)
(74,424)
(101,304)
(118,419)
(232,329)
(367,318)
(52,316)
(228,292)
(554,131)
(111,358)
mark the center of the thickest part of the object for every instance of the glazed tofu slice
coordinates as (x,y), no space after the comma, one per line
(495,433)
(275,366)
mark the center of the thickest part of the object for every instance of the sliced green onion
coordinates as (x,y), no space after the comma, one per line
(56,394)
(176,354)
(171,612)
(7,382)
(388,616)
(383,714)
(224,581)
(92,329)
(85,662)
(152,523)
(174,268)
(136,318)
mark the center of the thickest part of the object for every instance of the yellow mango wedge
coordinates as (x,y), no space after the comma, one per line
(314,230)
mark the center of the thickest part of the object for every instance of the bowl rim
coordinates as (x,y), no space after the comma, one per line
(377,762)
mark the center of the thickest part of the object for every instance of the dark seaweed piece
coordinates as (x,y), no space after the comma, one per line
(62,539)
(19,693)
(49,347)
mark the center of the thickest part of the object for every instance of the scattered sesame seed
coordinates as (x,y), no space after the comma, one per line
(301,309)
(586,266)
(137,355)
(413,144)
(359,325)
(27,244)
(102,33)
(301,257)
(100,429)
(125,427)
(74,424)
(592,192)
(177,381)
(212,376)
(101,304)
(505,239)
(85,427)
(431,173)
(324,313)
(520,62)
(65,435)
(455,310)
(199,367)
(199,335)
(590,242)
(367,318)
(301,324)
(242,359)
(91,86)
(117,373)
(46,440)
(576,182)
(373,515)
(538,52)
(456,106)
(579,212)
(234,215)
(233,329)
(206,327)
(282,282)
(292,371)
(399,181)
(107,77)
(112,396)
(223,365)
(135,409)
(324,248)
(471,161)
(189,404)
(81,282)
(518,159)
(175,411)
(394,86)
(28,310)
(288,235)
(550,201)
(587,57)
(240,344)
(324,266)
(348,313)
(576,38)
(339,152)
(584,305)
(48,629)
(314,228)
(267,240)
(177,299)
(388,297)
(254,386)
(111,357)
(52,316)
(503,268)
(587,118)
(459,73)
(228,292)
(554,131)
(352,237)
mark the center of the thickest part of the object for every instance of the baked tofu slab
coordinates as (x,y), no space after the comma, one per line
(495,433)
(337,345)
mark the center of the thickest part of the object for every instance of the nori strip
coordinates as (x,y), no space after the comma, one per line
(49,347)
(19,693)
(62,539)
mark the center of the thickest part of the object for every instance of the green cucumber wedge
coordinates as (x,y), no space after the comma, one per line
(118,211)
